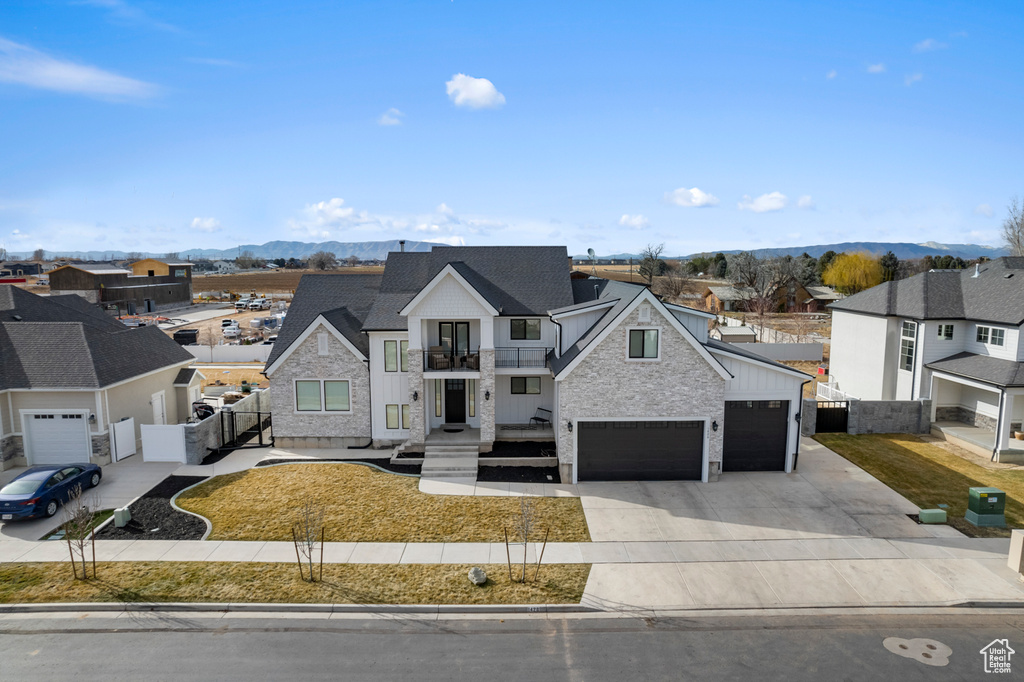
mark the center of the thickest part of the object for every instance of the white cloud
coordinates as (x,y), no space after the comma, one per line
(831,74)
(391,117)
(205,224)
(475,93)
(876,68)
(805,202)
(912,78)
(773,201)
(444,210)
(26,66)
(637,222)
(983,210)
(693,198)
(929,45)
(121,12)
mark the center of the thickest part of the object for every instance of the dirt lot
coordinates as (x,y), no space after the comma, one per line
(210,331)
(270,282)
(218,376)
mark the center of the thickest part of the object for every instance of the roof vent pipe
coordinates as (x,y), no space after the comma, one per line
(401,245)
(977,270)
(597,292)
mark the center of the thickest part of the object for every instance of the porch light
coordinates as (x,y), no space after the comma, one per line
(415,396)
(568,425)
(487,395)
(92,419)
(714,426)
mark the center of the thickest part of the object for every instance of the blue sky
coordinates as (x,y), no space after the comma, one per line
(160,126)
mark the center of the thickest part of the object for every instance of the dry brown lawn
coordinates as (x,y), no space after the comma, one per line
(271,282)
(233,376)
(366,505)
(166,581)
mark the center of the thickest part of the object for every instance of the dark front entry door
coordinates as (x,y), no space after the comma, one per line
(455,401)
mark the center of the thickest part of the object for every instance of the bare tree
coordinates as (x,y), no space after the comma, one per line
(651,264)
(307,532)
(39,255)
(134,255)
(352,260)
(1013,227)
(247,260)
(3,254)
(743,268)
(673,283)
(323,260)
(78,531)
(172,255)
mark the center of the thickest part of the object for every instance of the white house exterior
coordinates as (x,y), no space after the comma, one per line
(949,336)
(482,338)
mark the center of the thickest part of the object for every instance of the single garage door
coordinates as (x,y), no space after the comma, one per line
(57,438)
(755,435)
(640,451)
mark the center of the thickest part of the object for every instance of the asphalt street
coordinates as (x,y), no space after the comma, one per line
(396,647)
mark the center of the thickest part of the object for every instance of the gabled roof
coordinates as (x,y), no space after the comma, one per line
(343,300)
(515,280)
(621,293)
(96,268)
(823,293)
(485,293)
(185,375)
(995,295)
(983,368)
(78,352)
(733,293)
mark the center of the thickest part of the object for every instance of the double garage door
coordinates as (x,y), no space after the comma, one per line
(755,437)
(57,438)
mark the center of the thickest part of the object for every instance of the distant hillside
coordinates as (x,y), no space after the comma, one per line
(903,250)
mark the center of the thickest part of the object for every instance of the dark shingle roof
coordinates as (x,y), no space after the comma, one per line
(517,280)
(62,343)
(995,295)
(344,300)
(185,375)
(730,349)
(983,368)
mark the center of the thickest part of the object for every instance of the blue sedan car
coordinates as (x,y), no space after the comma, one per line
(40,491)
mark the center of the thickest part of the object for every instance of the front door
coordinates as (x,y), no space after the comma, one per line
(455,401)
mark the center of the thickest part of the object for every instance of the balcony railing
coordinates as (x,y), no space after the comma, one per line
(521,357)
(451,361)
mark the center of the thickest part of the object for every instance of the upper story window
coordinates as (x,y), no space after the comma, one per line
(396,356)
(526,330)
(643,344)
(525,385)
(946,332)
(907,340)
(991,335)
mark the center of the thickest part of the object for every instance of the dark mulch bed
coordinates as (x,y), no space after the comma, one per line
(519,448)
(153,517)
(518,474)
(383,463)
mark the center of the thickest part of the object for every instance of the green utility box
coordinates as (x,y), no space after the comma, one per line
(986,506)
(932,515)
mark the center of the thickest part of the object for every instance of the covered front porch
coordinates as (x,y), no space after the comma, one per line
(978,416)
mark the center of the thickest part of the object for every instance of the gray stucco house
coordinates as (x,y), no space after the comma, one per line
(485,339)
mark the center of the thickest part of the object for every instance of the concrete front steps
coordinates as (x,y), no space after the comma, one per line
(450,462)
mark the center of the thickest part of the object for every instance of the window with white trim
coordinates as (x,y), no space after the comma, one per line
(471,394)
(908,335)
(643,344)
(322,395)
(946,332)
(391,357)
(403,356)
(391,412)
(525,385)
(992,336)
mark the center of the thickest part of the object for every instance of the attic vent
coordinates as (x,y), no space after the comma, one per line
(321,344)
(645,313)
(17,318)
(1008,275)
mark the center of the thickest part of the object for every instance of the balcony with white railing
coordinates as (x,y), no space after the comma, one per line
(831,393)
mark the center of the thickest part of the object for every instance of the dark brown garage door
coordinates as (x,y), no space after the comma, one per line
(755,435)
(640,451)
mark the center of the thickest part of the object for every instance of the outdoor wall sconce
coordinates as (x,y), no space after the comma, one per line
(415,396)
(568,425)
(487,395)
(714,426)
(92,419)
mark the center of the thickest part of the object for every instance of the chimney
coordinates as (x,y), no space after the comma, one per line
(977,271)
(401,245)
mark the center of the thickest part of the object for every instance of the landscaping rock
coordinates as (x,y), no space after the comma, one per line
(477,576)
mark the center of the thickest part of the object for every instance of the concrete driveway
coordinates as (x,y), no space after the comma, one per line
(122,483)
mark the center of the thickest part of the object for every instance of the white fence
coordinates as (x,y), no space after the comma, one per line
(123,439)
(165,443)
(225,353)
(831,393)
(811,352)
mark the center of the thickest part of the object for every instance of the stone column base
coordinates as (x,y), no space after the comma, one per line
(565,472)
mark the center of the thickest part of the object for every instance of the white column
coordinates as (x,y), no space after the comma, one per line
(1003,423)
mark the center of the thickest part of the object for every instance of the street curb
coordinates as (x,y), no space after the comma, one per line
(209,526)
(107,607)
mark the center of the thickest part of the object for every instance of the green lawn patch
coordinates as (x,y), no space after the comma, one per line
(928,476)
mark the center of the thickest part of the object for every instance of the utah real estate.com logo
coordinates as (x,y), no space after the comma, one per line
(997,655)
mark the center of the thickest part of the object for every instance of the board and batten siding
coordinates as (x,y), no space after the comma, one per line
(387,388)
(696,324)
(503,333)
(576,325)
(519,409)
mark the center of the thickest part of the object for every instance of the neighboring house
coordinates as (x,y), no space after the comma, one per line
(20,269)
(68,371)
(790,298)
(819,297)
(727,299)
(149,285)
(481,338)
(224,267)
(952,336)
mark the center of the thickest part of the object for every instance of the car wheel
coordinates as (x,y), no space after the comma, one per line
(51,508)
(94,480)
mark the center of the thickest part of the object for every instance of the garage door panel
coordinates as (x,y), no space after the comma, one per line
(57,438)
(652,451)
(756,435)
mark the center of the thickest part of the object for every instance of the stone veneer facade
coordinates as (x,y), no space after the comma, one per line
(966,416)
(417,408)
(321,429)
(607,385)
(486,407)
(12,451)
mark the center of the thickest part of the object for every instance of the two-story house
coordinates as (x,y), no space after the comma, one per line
(951,336)
(482,340)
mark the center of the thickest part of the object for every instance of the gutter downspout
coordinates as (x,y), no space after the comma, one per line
(800,422)
(918,354)
(369,396)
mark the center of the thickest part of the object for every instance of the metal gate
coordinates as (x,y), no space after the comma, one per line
(239,429)
(831,417)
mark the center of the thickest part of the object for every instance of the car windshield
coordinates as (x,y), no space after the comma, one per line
(22,487)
